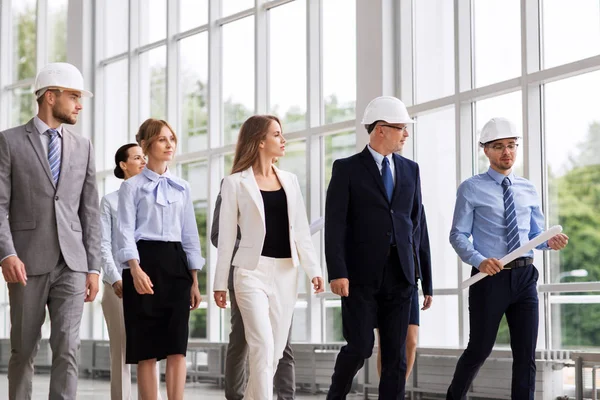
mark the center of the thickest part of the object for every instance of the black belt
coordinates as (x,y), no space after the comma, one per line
(519,262)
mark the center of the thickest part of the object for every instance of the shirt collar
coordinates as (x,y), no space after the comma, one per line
(153,176)
(379,157)
(498,177)
(42,127)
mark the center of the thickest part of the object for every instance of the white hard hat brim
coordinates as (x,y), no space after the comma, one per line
(507,136)
(84,93)
(390,120)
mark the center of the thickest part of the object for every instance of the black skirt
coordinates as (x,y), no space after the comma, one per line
(156,325)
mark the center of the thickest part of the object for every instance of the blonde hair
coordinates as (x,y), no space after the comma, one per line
(149,131)
(253,131)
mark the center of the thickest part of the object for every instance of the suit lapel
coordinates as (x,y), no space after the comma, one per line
(67,147)
(250,184)
(34,137)
(371,166)
(398,169)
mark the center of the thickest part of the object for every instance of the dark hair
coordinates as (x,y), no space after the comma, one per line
(253,131)
(122,155)
(372,126)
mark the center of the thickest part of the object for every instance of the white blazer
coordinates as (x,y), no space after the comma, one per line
(242,205)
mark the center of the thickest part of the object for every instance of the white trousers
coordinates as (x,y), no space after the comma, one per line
(120,373)
(266,297)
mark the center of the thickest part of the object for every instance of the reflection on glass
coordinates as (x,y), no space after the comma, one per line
(115,111)
(287,71)
(115,27)
(497,40)
(436,151)
(442,315)
(24,39)
(572,139)
(57,31)
(333,321)
(22,106)
(197,322)
(434,49)
(579,33)
(294,161)
(153,21)
(229,7)
(339,145)
(575,321)
(339,59)
(192,13)
(507,106)
(153,85)
(238,76)
(193,79)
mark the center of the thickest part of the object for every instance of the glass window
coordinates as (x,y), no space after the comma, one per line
(287,70)
(227,163)
(294,161)
(443,313)
(116,130)
(115,27)
(22,105)
(193,85)
(507,106)
(572,138)
(196,174)
(338,145)
(576,317)
(153,85)
(299,322)
(436,155)
(57,31)
(192,13)
(497,40)
(434,49)
(111,183)
(153,21)
(24,39)
(229,7)
(333,321)
(570,33)
(238,76)
(339,59)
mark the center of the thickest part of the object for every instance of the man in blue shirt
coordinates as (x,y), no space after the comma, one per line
(501,211)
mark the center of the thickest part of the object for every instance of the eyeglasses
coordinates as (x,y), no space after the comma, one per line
(404,128)
(500,147)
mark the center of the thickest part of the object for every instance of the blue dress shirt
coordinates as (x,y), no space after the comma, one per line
(379,161)
(479,212)
(156,207)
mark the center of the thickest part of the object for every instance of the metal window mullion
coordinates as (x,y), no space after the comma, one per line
(261,59)
(41,34)
(100,94)
(5,62)
(133,75)
(172,61)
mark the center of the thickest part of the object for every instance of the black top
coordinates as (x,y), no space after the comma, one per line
(277,238)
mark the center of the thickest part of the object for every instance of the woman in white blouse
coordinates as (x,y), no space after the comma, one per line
(130,161)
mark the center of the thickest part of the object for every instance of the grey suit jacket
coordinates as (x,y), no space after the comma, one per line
(214,236)
(39,221)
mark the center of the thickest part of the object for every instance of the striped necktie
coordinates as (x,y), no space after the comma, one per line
(54,154)
(510,215)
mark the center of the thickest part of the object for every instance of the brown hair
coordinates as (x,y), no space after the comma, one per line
(252,132)
(149,131)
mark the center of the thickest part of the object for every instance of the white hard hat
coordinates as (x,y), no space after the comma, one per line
(388,109)
(496,129)
(60,76)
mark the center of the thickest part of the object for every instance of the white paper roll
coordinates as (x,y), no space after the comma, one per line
(519,252)
(317,225)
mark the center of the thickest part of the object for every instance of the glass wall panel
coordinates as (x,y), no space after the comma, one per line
(23,105)
(436,155)
(116,131)
(115,27)
(229,7)
(294,161)
(572,138)
(24,36)
(338,145)
(579,33)
(339,59)
(57,30)
(333,321)
(507,106)
(497,40)
(192,13)
(287,70)
(153,21)
(575,319)
(153,84)
(193,92)
(441,317)
(238,76)
(434,49)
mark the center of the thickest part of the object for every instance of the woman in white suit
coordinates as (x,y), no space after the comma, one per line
(266,203)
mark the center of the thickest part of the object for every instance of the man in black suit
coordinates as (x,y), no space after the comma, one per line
(373,210)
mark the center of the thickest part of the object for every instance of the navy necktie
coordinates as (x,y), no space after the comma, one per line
(54,153)
(386,174)
(510,215)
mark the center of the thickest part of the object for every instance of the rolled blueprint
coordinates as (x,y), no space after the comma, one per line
(317,225)
(516,253)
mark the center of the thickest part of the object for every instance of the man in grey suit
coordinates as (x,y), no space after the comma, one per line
(237,349)
(49,231)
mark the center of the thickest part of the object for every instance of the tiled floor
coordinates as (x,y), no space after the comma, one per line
(99,389)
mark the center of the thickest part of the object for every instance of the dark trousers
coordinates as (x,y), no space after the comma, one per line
(386,307)
(514,293)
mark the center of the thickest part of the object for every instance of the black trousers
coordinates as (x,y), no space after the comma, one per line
(386,307)
(514,293)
